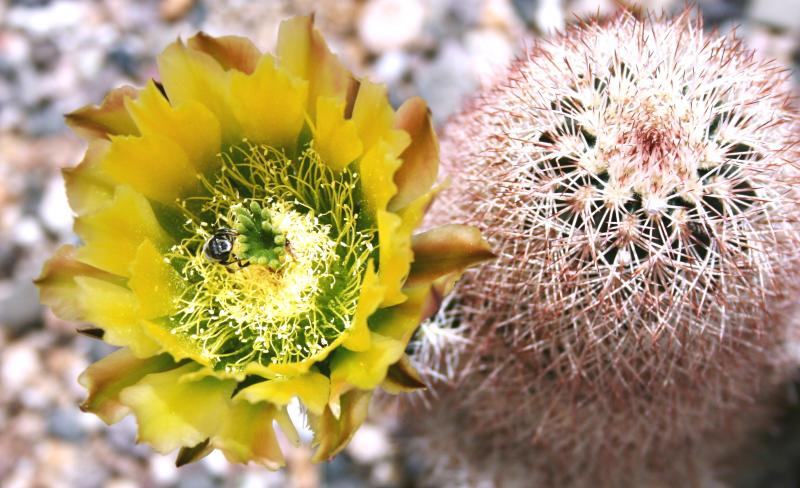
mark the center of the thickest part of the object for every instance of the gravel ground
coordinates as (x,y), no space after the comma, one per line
(57,55)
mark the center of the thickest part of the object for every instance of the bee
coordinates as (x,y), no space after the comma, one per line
(219,247)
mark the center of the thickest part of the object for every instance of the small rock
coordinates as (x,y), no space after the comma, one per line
(20,366)
(65,424)
(777,13)
(172,10)
(447,81)
(390,67)
(499,14)
(195,476)
(121,483)
(261,478)
(385,473)
(122,436)
(526,9)
(45,20)
(491,53)
(20,309)
(54,210)
(369,445)
(216,463)
(27,232)
(550,16)
(163,470)
(390,24)
(29,426)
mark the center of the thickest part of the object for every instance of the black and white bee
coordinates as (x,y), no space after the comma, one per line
(219,247)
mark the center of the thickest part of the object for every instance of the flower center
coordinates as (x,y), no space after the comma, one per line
(292,253)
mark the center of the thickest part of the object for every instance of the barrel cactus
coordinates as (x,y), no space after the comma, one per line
(639,181)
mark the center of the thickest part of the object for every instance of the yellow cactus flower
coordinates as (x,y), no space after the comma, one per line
(246,230)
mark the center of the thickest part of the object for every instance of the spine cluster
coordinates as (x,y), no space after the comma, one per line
(639,181)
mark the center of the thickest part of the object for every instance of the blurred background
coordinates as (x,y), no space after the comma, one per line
(58,55)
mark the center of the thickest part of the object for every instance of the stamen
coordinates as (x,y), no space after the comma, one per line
(300,253)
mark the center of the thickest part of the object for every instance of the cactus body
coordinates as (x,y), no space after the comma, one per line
(639,181)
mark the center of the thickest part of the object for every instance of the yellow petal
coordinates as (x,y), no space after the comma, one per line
(374,118)
(336,139)
(332,433)
(107,119)
(112,236)
(394,233)
(115,309)
(57,286)
(190,125)
(420,159)
(366,369)
(176,345)
(270,104)
(400,321)
(191,75)
(88,188)
(172,413)
(311,388)
(153,165)
(294,369)
(247,435)
(155,283)
(368,301)
(376,169)
(444,250)
(231,52)
(302,51)
(106,378)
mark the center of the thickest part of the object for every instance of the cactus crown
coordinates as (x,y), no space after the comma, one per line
(649,172)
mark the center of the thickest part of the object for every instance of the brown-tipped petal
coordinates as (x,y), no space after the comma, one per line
(333,434)
(444,250)
(247,434)
(188,455)
(420,159)
(231,52)
(402,377)
(57,286)
(88,188)
(303,51)
(106,378)
(110,118)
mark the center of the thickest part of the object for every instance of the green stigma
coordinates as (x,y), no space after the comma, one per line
(259,241)
(299,255)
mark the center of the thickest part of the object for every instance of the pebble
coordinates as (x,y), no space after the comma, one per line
(54,211)
(490,51)
(216,463)
(20,365)
(262,478)
(777,13)
(369,445)
(162,469)
(172,10)
(20,310)
(122,437)
(391,66)
(385,25)
(549,17)
(65,424)
(195,476)
(447,81)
